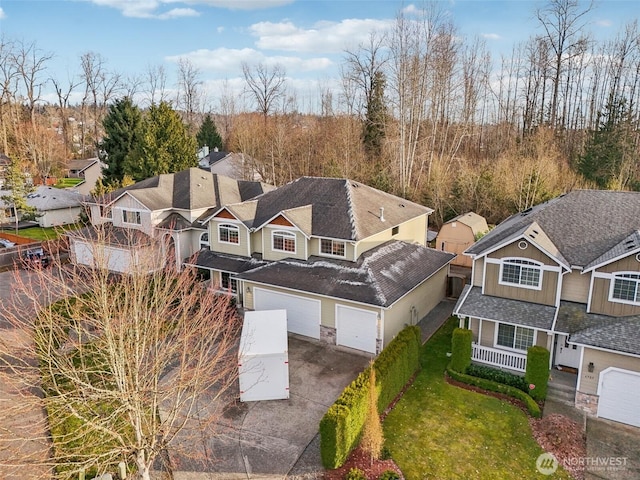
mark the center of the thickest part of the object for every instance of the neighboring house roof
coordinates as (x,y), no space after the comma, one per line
(81,165)
(228,263)
(45,199)
(475,222)
(331,207)
(380,277)
(108,234)
(190,189)
(583,225)
(174,221)
(472,303)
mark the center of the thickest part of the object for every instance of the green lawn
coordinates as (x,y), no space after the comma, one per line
(439,431)
(38,233)
(68,182)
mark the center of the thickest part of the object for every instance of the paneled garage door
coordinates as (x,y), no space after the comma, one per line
(619,392)
(357,328)
(303,314)
(118,260)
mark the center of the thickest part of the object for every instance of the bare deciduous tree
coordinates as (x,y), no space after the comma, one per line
(266,85)
(189,94)
(30,63)
(156,78)
(126,366)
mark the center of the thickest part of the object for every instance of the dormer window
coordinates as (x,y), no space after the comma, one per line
(333,248)
(625,288)
(283,241)
(204,240)
(521,272)
(228,233)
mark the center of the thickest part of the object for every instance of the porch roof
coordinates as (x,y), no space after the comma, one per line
(472,303)
(226,263)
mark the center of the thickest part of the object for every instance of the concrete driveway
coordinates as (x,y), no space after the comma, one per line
(263,440)
(613,450)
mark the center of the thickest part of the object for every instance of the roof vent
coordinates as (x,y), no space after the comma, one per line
(382,214)
(526,212)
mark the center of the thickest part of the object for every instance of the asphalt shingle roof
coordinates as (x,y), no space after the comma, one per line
(340,208)
(583,224)
(472,303)
(381,276)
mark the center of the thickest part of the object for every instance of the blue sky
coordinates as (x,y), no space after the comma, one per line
(306,36)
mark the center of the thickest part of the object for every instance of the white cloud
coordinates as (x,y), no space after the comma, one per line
(230,60)
(411,8)
(220,29)
(153,8)
(491,36)
(323,37)
(2,14)
(604,23)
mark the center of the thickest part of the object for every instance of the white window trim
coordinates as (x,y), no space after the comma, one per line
(228,226)
(231,279)
(324,254)
(284,234)
(612,281)
(533,264)
(203,243)
(512,349)
(130,210)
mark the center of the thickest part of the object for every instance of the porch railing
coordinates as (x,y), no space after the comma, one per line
(499,358)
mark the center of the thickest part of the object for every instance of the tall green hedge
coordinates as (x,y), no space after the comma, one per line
(341,426)
(537,373)
(461,349)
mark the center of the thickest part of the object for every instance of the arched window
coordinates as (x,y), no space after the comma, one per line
(204,240)
(228,233)
(283,241)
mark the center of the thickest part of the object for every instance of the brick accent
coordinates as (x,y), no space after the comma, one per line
(328,335)
(587,403)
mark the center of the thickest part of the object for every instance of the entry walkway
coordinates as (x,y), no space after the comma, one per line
(436,318)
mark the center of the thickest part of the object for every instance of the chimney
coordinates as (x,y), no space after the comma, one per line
(382,214)
(215,149)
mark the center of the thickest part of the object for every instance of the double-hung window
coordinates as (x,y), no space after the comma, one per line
(334,248)
(625,288)
(227,283)
(204,240)
(131,216)
(515,337)
(283,241)
(228,233)
(521,272)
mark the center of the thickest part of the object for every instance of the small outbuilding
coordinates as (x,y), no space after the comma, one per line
(263,359)
(460,233)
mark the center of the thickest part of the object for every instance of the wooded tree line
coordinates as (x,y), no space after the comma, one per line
(421,111)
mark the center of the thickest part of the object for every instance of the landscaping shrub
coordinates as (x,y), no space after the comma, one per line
(341,426)
(530,403)
(461,349)
(500,376)
(355,474)
(537,374)
(389,475)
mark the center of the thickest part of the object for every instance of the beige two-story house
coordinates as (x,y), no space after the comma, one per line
(348,263)
(565,275)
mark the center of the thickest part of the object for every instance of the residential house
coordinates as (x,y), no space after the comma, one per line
(460,233)
(54,207)
(90,170)
(168,206)
(348,263)
(565,275)
(4,166)
(229,164)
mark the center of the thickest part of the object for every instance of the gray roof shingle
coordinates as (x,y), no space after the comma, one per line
(583,224)
(380,277)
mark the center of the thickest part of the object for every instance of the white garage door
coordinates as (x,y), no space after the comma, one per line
(83,254)
(357,328)
(303,314)
(118,260)
(619,392)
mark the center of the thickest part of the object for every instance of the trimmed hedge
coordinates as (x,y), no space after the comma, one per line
(461,349)
(341,426)
(530,403)
(499,376)
(537,372)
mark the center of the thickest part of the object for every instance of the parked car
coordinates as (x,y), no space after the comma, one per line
(36,257)
(6,243)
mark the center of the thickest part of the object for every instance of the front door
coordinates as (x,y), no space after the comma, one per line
(567,355)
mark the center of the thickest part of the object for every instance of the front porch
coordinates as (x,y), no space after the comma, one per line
(499,358)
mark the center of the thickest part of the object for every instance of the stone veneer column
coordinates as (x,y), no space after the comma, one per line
(587,403)
(328,335)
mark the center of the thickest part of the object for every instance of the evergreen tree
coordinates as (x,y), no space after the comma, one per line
(372,435)
(164,146)
(208,134)
(18,190)
(610,158)
(122,129)
(373,130)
